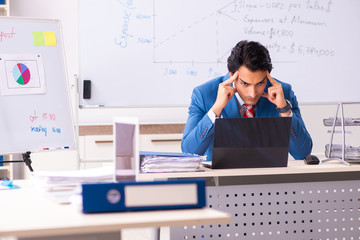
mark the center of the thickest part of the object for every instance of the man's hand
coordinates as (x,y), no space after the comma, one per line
(275,93)
(225,93)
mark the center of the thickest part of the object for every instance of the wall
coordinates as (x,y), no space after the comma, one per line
(66,11)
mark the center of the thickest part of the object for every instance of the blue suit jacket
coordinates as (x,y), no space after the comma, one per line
(199,130)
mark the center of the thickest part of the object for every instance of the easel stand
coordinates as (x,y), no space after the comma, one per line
(26,160)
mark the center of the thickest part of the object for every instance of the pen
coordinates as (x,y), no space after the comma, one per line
(91,106)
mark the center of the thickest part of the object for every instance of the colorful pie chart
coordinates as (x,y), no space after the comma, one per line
(21,74)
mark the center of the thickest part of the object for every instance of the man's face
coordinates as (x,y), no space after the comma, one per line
(250,85)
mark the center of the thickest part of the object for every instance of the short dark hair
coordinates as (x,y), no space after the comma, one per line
(250,54)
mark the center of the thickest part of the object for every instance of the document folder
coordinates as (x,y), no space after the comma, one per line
(154,162)
(136,196)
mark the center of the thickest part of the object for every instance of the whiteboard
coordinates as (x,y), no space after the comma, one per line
(153,53)
(34,98)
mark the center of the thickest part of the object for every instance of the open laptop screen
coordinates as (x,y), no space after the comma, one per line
(251,142)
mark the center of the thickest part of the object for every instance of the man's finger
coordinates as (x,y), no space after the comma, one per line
(231,79)
(273,81)
(264,94)
(231,94)
(233,90)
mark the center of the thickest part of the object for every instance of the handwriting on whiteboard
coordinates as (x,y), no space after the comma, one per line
(7,35)
(45,116)
(127,13)
(43,123)
(286,28)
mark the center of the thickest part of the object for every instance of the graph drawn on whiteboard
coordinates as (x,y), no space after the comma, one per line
(204,34)
(182,44)
(22,74)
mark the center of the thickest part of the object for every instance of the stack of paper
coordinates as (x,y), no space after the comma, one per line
(63,186)
(348,121)
(351,153)
(68,180)
(152,162)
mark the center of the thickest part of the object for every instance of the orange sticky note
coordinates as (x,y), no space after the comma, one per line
(50,38)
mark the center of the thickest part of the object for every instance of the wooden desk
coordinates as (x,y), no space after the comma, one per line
(296,202)
(296,170)
(26,213)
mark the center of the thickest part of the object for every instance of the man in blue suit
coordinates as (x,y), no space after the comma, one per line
(257,94)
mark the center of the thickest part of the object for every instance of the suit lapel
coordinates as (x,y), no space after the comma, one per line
(259,108)
(231,109)
(264,108)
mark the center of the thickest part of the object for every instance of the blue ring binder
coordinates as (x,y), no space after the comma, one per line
(129,196)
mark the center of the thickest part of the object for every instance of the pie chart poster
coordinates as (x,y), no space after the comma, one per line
(23,74)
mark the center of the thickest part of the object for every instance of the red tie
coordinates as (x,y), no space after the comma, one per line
(249,112)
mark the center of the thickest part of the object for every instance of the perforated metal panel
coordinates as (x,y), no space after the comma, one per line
(313,210)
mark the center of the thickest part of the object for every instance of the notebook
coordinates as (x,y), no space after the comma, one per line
(251,142)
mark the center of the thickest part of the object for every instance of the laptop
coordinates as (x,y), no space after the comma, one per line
(251,142)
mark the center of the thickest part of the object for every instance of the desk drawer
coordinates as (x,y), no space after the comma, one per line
(101,146)
(160,142)
(98,147)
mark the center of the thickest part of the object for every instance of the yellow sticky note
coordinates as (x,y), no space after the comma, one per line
(50,38)
(38,38)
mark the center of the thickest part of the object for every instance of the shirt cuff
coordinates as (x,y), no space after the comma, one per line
(212,116)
